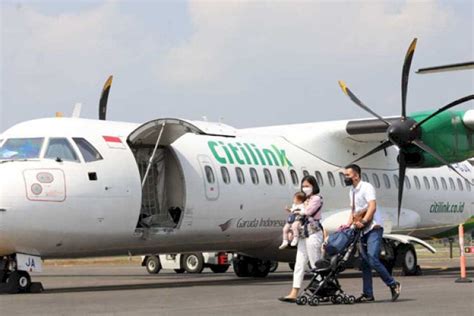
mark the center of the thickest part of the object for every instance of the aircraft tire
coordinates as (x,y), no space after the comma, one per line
(406,259)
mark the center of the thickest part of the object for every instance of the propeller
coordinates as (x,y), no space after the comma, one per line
(405,133)
(103,99)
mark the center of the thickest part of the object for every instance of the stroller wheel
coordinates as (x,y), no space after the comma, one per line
(302,300)
(351,299)
(314,301)
(338,299)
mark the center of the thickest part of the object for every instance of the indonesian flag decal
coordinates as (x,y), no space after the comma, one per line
(114,142)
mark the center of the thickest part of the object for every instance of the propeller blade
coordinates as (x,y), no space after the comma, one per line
(103,99)
(405,74)
(354,99)
(444,108)
(433,153)
(401,181)
(380,147)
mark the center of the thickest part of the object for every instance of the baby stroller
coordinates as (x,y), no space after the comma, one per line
(324,285)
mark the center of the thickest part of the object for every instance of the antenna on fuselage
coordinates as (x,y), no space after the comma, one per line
(76,112)
(103,98)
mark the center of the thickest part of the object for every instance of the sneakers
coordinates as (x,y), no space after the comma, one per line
(396,290)
(283,245)
(294,242)
(364,299)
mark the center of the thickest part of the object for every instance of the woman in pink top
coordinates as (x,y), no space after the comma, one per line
(311,240)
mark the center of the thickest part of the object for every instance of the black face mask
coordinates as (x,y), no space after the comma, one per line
(348,181)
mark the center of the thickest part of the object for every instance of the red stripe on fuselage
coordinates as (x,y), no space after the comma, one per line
(112,139)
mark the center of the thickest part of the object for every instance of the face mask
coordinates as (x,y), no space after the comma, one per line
(348,181)
(307,190)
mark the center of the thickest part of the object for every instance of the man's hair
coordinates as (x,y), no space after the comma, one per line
(354,167)
(300,196)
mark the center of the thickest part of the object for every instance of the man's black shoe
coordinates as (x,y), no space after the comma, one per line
(365,298)
(396,289)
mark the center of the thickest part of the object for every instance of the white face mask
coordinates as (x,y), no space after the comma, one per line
(307,190)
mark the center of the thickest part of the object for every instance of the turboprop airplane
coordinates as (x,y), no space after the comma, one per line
(73,187)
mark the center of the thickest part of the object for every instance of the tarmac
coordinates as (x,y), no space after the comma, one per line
(127,289)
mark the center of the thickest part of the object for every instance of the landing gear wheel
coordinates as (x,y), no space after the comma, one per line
(314,301)
(406,258)
(302,300)
(273,266)
(193,263)
(18,281)
(179,271)
(240,267)
(261,269)
(153,265)
(219,268)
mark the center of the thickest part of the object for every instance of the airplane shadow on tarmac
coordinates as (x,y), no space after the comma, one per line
(184,281)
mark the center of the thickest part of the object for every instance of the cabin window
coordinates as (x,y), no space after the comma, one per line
(209,174)
(89,153)
(254,176)
(225,175)
(332,181)
(60,148)
(268,176)
(395,180)
(319,178)
(407,183)
(305,173)
(281,177)
(21,148)
(386,180)
(451,184)
(468,186)
(417,183)
(240,175)
(427,183)
(435,183)
(294,177)
(444,184)
(341,177)
(376,180)
(460,186)
(365,177)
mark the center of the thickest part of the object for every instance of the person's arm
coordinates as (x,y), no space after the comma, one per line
(313,206)
(350,220)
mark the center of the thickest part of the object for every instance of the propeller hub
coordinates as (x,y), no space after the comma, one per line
(400,133)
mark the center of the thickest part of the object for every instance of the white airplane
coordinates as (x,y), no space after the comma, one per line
(73,187)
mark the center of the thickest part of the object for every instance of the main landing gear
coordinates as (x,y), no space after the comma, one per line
(251,267)
(13,281)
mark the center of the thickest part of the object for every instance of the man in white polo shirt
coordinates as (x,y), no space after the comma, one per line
(364,216)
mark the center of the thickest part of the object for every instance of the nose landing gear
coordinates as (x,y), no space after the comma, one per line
(14,281)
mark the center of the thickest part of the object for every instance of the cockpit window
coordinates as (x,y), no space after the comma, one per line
(87,150)
(60,148)
(21,148)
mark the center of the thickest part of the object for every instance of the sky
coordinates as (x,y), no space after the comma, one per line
(247,63)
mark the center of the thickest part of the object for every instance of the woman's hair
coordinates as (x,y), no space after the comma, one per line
(312,181)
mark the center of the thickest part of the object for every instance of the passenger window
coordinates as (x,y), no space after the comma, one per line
(427,183)
(435,183)
(376,180)
(240,175)
(319,178)
(451,184)
(62,149)
(341,177)
(444,184)
(305,173)
(386,180)
(460,186)
(89,153)
(294,177)
(417,183)
(281,177)
(209,174)
(395,180)
(332,181)
(254,176)
(468,186)
(268,176)
(365,177)
(407,183)
(225,175)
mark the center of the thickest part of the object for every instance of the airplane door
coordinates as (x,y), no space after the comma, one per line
(209,176)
